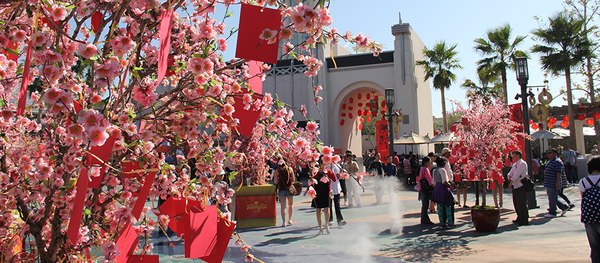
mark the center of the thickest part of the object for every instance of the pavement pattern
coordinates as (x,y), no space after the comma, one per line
(390,232)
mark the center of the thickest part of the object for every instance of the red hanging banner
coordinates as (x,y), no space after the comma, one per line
(164,33)
(25,80)
(516,115)
(381,133)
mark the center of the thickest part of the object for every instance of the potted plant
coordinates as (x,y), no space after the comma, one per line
(485,133)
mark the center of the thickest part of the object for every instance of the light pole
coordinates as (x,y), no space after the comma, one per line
(522,77)
(390,100)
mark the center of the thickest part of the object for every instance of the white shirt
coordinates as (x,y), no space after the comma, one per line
(584,184)
(440,176)
(449,172)
(336,186)
(517,173)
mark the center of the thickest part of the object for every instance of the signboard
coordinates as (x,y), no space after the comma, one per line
(381,134)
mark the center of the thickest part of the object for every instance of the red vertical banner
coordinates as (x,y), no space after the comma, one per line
(381,133)
(516,115)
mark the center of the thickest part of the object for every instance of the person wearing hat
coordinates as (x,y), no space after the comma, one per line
(552,182)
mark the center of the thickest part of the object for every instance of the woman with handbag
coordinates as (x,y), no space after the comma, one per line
(425,188)
(284,178)
(442,194)
(322,186)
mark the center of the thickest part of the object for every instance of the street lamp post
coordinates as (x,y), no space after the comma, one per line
(390,101)
(522,77)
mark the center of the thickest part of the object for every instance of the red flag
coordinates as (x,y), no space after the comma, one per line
(126,242)
(247,118)
(255,81)
(25,80)
(77,212)
(253,21)
(164,33)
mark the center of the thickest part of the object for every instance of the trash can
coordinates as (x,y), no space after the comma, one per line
(581,166)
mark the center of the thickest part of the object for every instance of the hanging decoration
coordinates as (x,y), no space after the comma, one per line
(590,122)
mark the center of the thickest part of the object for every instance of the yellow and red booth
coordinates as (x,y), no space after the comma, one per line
(255,206)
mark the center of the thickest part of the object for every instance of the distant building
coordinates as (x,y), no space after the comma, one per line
(350,81)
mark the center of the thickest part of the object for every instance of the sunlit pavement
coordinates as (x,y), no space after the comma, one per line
(391,232)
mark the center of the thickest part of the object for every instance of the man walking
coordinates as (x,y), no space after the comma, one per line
(516,174)
(552,182)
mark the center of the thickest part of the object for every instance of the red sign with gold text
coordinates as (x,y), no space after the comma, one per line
(381,134)
(516,115)
(255,206)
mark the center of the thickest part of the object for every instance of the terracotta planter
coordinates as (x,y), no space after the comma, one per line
(485,220)
(255,206)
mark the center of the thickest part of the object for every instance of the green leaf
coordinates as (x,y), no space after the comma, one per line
(232,175)
(2,103)
(12,51)
(87,211)
(166,166)
(293,54)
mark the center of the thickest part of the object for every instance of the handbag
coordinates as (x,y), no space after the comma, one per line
(293,187)
(528,184)
(425,186)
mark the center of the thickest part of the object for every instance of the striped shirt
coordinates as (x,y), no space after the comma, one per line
(552,169)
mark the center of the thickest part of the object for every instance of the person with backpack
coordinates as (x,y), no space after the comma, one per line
(590,206)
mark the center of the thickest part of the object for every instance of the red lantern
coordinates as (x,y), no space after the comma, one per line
(530,121)
(343,114)
(360,113)
(342,122)
(383,103)
(581,117)
(351,100)
(465,122)
(564,124)
(350,116)
(350,108)
(597,116)
(360,126)
(552,120)
(453,128)
(566,118)
(590,122)
(368,96)
(369,118)
(551,124)
(535,126)
(360,104)
(344,106)
(359,96)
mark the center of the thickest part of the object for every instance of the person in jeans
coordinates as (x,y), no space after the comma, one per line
(552,182)
(592,229)
(516,174)
(425,196)
(334,175)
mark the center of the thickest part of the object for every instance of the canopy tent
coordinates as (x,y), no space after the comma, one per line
(548,135)
(587,131)
(412,139)
(444,137)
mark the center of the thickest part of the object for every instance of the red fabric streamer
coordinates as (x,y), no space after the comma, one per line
(164,33)
(77,212)
(255,81)
(126,242)
(201,233)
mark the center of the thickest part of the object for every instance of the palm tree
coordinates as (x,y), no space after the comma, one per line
(563,46)
(500,51)
(489,86)
(439,63)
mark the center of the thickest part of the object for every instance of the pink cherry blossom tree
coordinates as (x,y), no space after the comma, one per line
(484,135)
(77,76)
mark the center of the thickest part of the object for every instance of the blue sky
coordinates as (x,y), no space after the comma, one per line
(457,22)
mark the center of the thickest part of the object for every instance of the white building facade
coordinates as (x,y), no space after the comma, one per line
(350,81)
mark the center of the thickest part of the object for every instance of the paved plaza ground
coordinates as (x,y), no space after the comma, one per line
(391,233)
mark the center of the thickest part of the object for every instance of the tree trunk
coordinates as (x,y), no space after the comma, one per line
(590,77)
(444,115)
(504,89)
(572,137)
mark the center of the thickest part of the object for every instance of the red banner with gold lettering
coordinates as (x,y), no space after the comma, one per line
(516,115)
(381,134)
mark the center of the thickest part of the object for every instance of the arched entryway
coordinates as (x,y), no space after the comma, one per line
(353,108)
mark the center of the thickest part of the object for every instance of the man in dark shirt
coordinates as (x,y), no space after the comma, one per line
(552,182)
(390,167)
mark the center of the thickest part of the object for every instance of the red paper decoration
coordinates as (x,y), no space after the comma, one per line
(97,18)
(255,81)
(342,122)
(589,122)
(247,118)
(535,126)
(253,21)
(552,120)
(581,117)
(564,124)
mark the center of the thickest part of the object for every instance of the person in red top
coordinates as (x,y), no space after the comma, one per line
(425,188)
